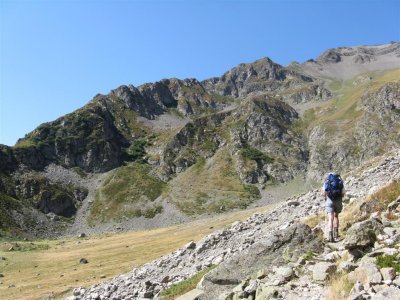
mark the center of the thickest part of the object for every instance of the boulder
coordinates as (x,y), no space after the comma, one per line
(83,261)
(266,293)
(367,273)
(388,293)
(323,270)
(388,273)
(346,266)
(362,234)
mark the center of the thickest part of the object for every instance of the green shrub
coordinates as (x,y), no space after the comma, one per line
(254,154)
(137,151)
(388,261)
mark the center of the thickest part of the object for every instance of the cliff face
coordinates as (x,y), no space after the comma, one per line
(272,123)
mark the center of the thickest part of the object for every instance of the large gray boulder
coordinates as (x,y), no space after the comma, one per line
(323,270)
(362,234)
(277,250)
(367,274)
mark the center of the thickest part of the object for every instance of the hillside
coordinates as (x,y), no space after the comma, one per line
(173,150)
(281,253)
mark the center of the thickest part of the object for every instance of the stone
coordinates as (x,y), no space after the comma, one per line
(332,256)
(346,266)
(3,258)
(284,272)
(1,275)
(82,235)
(362,234)
(388,273)
(251,288)
(390,231)
(190,245)
(323,270)
(367,273)
(266,293)
(384,251)
(103,276)
(94,296)
(148,294)
(393,205)
(83,261)
(387,293)
(389,242)
(397,281)
(261,274)
(357,288)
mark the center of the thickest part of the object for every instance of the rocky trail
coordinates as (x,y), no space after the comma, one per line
(266,255)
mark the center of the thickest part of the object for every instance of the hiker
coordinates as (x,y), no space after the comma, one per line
(333,192)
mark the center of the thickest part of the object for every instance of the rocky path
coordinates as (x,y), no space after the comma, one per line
(279,228)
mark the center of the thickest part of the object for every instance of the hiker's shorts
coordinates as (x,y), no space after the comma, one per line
(333,206)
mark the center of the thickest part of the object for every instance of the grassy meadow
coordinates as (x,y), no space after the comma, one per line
(51,267)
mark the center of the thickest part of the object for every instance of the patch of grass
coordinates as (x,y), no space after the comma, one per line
(7,205)
(175,112)
(25,143)
(211,186)
(377,202)
(300,125)
(314,220)
(339,287)
(184,286)
(30,246)
(127,192)
(309,255)
(251,153)
(136,150)
(79,171)
(388,261)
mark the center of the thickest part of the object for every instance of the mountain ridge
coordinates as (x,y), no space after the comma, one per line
(275,123)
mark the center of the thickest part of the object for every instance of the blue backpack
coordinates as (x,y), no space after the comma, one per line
(334,186)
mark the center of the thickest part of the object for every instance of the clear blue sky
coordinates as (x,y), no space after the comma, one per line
(56,55)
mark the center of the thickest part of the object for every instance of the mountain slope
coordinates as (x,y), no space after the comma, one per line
(257,125)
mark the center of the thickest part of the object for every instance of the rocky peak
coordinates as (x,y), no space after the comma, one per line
(347,62)
(246,78)
(329,56)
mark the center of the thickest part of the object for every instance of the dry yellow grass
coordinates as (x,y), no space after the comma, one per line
(339,287)
(57,270)
(377,202)
(314,220)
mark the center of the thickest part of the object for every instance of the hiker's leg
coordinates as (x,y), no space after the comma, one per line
(330,221)
(330,227)
(336,220)
(336,225)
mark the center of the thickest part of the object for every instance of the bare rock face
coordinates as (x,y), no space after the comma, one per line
(330,56)
(279,249)
(384,102)
(247,78)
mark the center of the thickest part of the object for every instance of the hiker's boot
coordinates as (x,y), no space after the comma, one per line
(335,233)
(330,237)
